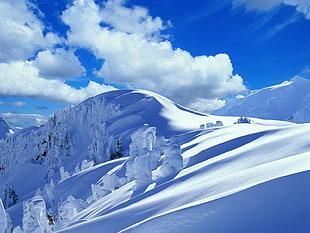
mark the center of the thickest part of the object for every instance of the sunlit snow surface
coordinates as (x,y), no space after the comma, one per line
(235,178)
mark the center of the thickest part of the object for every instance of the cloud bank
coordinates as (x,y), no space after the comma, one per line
(35,62)
(32,62)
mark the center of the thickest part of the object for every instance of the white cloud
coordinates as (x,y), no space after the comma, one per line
(207,105)
(131,20)
(22,72)
(16,103)
(21,33)
(20,78)
(58,64)
(302,6)
(154,65)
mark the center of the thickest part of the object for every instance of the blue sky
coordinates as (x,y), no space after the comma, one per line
(54,53)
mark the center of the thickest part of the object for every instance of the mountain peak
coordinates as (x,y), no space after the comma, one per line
(278,102)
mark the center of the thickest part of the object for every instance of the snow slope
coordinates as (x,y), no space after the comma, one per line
(287,101)
(174,175)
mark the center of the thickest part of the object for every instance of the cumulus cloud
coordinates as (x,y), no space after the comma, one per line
(21,78)
(302,6)
(21,33)
(139,62)
(131,20)
(59,64)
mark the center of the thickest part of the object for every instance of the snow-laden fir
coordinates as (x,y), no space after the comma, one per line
(289,101)
(133,161)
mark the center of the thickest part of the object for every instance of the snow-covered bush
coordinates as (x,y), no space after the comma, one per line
(209,125)
(218,123)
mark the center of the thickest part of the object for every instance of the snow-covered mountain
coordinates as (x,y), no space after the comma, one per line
(5,129)
(287,101)
(133,161)
(20,121)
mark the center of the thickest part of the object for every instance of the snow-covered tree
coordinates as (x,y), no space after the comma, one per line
(65,133)
(151,157)
(35,217)
(63,174)
(68,209)
(9,196)
(172,160)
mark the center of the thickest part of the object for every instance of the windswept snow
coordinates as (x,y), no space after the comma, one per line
(167,173)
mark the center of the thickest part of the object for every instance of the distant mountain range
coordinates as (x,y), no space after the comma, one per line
(289,101)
